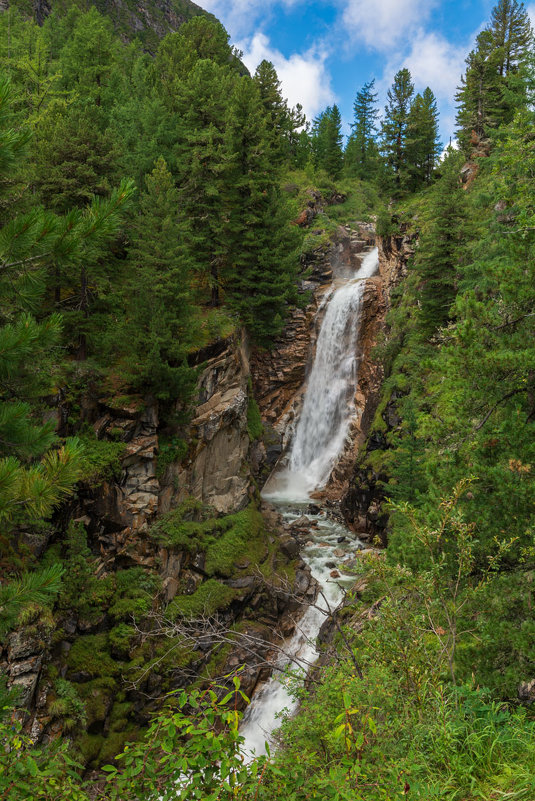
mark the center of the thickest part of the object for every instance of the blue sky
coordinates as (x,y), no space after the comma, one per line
(325,50)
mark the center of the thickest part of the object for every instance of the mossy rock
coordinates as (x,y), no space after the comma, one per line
(207,599)
(98,696)
(90,656)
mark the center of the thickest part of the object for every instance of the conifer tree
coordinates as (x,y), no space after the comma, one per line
(260,242)
(197,40)
(441,249)
(202,108)
(494,87)
(283,123)
(362,154)
(327,141)
(423,145)
(394,129)
(158,329)
(86,60)
(275,108)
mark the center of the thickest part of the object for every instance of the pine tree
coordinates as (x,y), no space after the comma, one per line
(74,159)
(199,39)
(260,243)
(362,154)
(158,329)
(87,59)
(494,87)
(327,141)
(202,108)
(511,33)
(394,129)
(423,145)
(441,249)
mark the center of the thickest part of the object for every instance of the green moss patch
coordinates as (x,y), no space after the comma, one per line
(101,459)
(207,599)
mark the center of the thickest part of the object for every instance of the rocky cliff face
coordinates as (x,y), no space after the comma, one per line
(279,375)
(163,542)
(150,20)
(362,496)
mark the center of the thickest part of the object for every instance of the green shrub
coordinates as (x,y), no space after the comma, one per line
(101,459)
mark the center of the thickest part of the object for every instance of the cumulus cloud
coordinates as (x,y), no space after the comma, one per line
(435,62)
(303,76)
(385,23)
(240,17)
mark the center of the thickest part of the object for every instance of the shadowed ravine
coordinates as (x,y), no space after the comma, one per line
(320,435)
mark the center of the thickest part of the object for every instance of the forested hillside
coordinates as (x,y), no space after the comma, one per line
(162,215)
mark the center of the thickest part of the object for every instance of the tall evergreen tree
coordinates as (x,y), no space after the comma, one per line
(441,249)
(158,329)
(394,129)
(198,39)
(494,87)
(326,139)
(423,145)
(362,154)
(202,108)
(260,241)
(283,123)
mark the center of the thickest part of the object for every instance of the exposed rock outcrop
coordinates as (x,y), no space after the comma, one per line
(216,470)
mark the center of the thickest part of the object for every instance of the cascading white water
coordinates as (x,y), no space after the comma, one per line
(319,438)
(328,404)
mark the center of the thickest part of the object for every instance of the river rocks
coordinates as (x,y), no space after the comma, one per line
(289,545)
(334,574)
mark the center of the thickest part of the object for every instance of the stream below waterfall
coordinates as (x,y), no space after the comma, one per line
(319,439)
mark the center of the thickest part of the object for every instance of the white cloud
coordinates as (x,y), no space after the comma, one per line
(385,23)
(240,17)
(303,76)
(435,62)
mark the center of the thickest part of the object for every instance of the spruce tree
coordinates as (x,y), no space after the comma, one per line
(260,243)
(202,108)
(362,154)
(199,39)
(394,129)
(494,87)
(158,329)
(327,141)
(423,145)
(441,249)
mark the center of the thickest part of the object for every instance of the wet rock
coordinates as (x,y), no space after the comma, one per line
(289,545)
(302,581)
(341,539)
(246,582)
(330,565)
(314,509)
(301,522)
(339,553)
(334,574)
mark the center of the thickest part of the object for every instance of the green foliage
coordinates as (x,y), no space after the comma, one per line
(254,419)
(170,451)
(394,129)
(101,459)
(326,142)
(494,86)
(39,587)
(210,597)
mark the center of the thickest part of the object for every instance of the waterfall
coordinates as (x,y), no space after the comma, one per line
(319,438)
(328,405)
